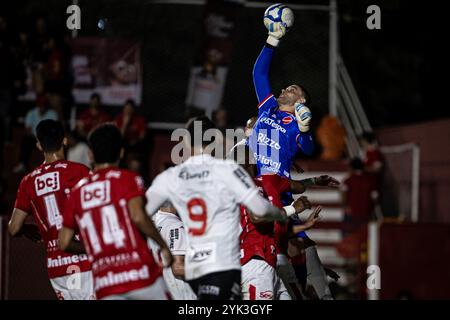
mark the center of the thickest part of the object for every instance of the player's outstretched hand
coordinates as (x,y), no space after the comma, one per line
(326,181)
(313,218)
(301,204)
(276,31)
(31,231)
(310,222)
(166,257)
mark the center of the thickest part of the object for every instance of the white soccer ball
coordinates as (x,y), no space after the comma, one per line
(278,13)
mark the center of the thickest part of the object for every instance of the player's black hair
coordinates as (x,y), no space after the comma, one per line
(306,95)
(130,102)
(356,164)
(96,95)
(50,134)
(368,136)
(206,124)
(105,142)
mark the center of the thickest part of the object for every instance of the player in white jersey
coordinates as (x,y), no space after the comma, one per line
(172,231)
(205,192)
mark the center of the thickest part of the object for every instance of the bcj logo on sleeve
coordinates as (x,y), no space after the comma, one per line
(47,183)
(95,194)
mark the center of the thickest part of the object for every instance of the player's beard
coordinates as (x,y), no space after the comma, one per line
(284,100)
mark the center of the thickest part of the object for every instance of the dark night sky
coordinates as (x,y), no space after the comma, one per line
(400,70)
(396,69)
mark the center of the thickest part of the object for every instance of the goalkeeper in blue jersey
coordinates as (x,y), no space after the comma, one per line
(280,132)
(282,128)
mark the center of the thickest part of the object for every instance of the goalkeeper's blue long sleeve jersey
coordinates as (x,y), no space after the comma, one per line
(276,138)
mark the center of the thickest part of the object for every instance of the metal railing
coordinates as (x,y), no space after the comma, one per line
(354,119)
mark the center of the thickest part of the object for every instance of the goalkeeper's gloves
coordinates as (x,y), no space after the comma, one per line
(303,115)
(276,31)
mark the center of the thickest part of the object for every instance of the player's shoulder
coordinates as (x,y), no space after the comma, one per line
(121,173)
(268,101)
(72,168)
(67,164)
(168,173)
(124,175)
(168,221)
(82,182)
(32,174)
(225,163)
(27,178)
(229,166)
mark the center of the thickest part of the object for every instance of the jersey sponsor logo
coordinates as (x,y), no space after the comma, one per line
(64,261)
(208,289)
(47,183)
(53,245)
(207,251)
(95,194)
(268,168)
(185,175)
(115,261)
(174,235)
(287,120)
(266,295)
(273,124)
(267,162)
(264,140)
(202,255)
(240,174)
(118,278)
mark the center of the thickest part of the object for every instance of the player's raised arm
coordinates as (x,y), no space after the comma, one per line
(309,223)
(262,64)
(300,186)
(261,73)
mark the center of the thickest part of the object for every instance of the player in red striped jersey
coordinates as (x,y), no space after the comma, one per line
(260,280)
(108,209)
(43,193)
